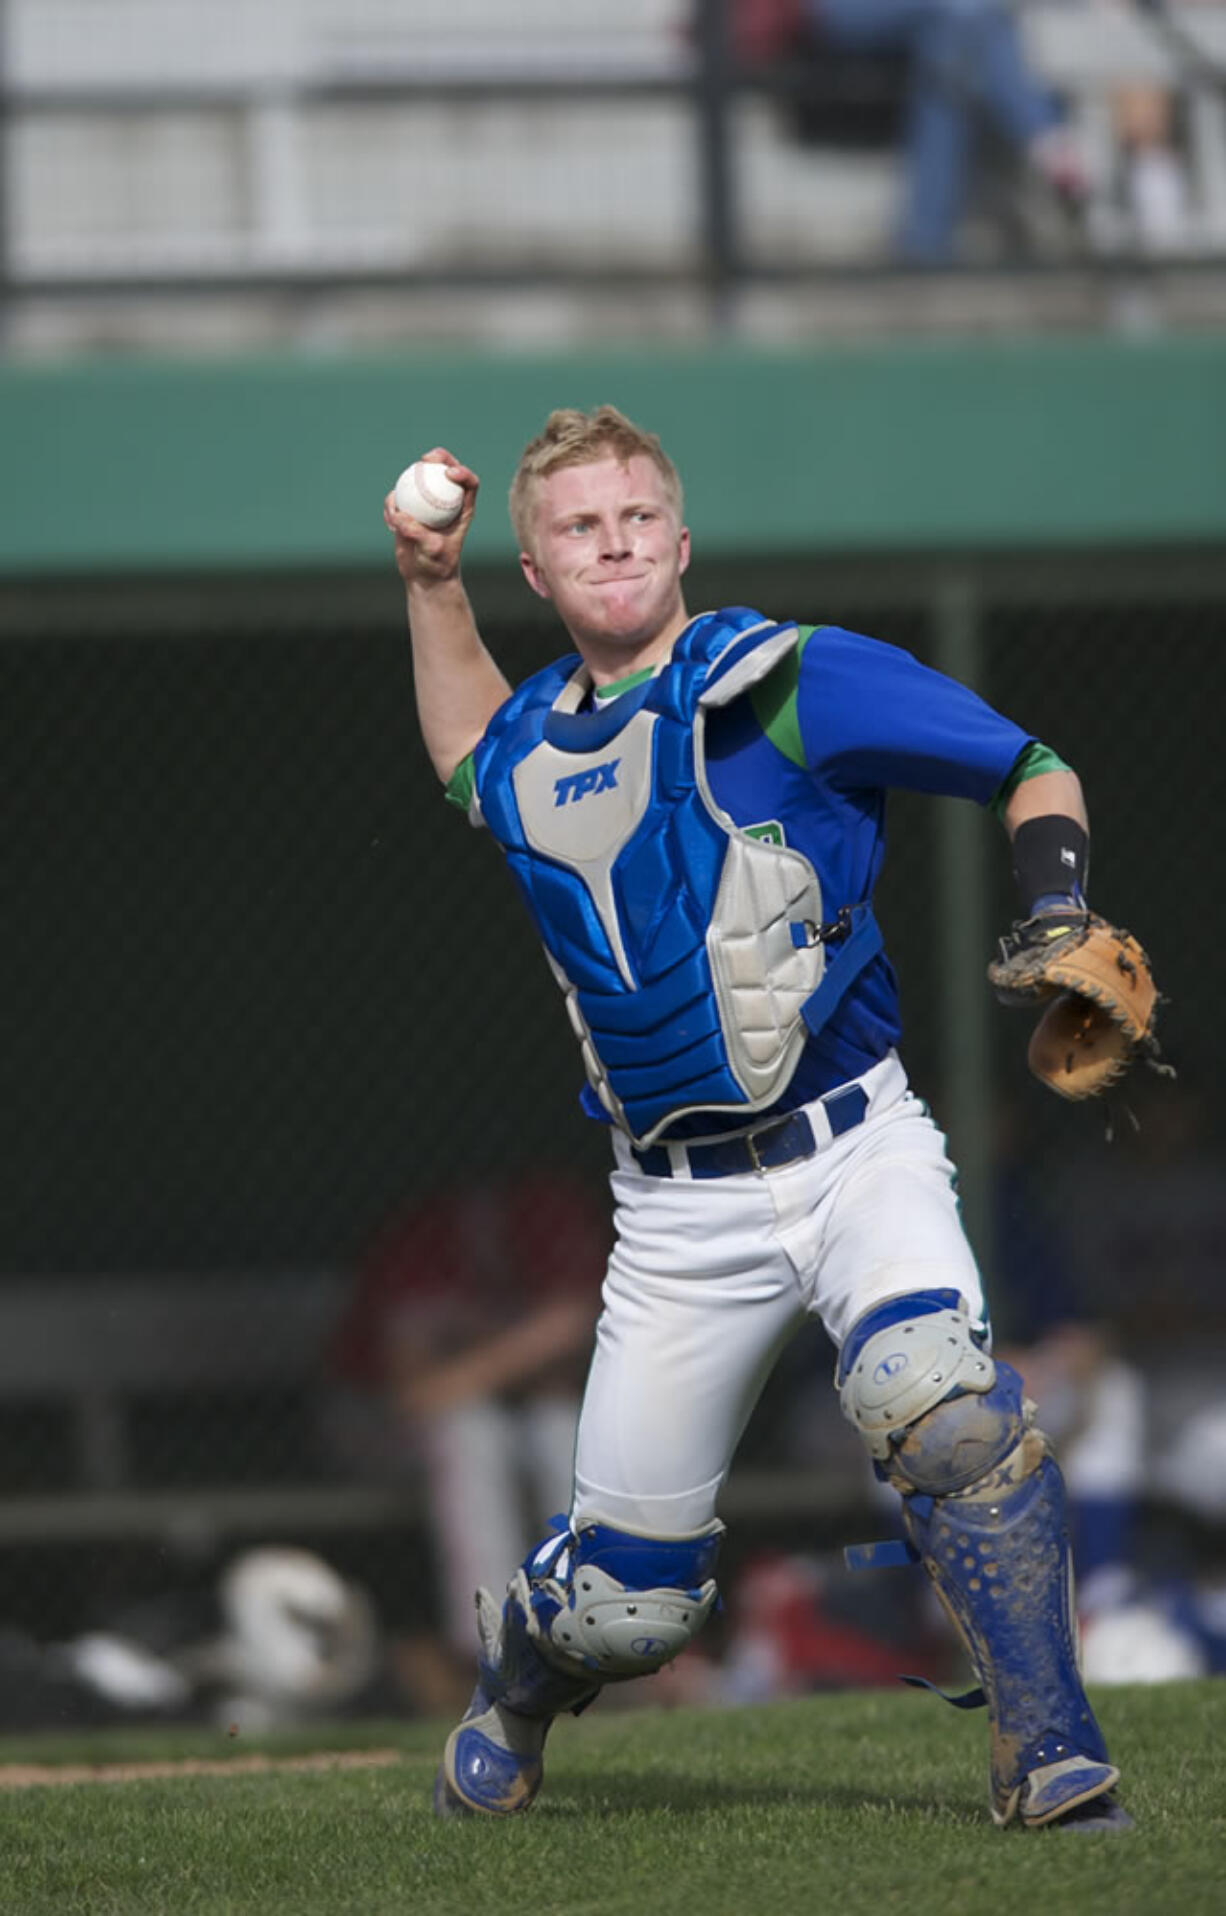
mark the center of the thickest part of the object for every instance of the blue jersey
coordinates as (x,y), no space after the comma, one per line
(867,719)
(806,759)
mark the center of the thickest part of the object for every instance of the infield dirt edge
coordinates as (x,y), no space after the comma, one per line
(27,1776)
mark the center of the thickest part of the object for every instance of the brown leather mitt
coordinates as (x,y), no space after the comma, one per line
(1100,1001)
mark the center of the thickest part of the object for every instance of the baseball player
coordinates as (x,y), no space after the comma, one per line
(693,808)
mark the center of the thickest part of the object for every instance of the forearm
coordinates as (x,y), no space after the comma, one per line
(1047,822)
(513,1357)
(1047,792)
(458,686)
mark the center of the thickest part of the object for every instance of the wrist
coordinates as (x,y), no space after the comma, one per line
(434,586)
(1051,856)
(1056,904)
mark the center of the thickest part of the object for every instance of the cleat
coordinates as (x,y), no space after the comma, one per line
(446,1802)
(1060,1789)
(633,1601)
(492,1761)
(1102,1814)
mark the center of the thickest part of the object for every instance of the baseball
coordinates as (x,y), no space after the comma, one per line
(425,491)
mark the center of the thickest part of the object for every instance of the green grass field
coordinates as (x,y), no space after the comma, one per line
(851,1803)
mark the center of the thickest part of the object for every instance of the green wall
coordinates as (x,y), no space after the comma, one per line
(122,467)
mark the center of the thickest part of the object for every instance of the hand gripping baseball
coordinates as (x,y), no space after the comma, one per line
(1098,997)
(429,510)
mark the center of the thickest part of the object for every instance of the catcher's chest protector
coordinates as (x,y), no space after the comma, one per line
(684,945)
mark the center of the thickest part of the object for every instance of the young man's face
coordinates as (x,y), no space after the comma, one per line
(609,553)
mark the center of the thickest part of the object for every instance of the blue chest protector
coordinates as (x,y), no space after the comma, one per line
(693,955)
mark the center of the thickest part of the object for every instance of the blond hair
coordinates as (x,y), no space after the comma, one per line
(574,438)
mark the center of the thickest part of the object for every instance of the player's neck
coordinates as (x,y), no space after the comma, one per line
(610,661)
(605,693)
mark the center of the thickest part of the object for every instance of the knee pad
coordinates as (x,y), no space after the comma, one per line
(935,1410)
(607,1604)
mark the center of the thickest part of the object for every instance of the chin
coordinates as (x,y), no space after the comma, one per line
(629,624)
(618,639)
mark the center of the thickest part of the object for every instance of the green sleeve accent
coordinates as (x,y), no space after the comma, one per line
(1030,761)
(774,702)
(462,785)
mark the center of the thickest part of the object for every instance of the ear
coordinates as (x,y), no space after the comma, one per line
(535,577)
(683,549)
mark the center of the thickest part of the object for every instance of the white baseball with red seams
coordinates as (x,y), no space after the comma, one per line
(425,492)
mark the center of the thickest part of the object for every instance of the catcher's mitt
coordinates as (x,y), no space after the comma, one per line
(1100,998)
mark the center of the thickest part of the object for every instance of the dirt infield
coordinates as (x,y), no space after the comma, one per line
(28,1776)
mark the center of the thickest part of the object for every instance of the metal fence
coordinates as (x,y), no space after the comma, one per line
(265,993)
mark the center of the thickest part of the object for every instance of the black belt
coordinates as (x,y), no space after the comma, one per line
(782,1141)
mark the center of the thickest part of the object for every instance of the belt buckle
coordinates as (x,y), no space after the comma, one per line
(769,1131)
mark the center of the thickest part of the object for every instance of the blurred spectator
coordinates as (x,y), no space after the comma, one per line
(1158,1634)
(1148,1234)
(1154,185)
(1091,1400)
(460,1362)
(1151,136)
(966,69)
(1092,1404)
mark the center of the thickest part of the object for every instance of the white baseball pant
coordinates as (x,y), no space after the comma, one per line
(710,1278)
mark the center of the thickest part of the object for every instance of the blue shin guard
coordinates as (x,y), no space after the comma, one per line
(584,1610)
(493,1759)
(1002,1567)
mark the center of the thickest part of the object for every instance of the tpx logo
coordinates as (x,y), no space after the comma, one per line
(890,1366)
(577,785)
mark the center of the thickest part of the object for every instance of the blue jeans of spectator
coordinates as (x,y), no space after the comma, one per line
(966,62)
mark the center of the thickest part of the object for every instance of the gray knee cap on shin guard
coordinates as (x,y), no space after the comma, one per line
(593,1607)
(935,1410)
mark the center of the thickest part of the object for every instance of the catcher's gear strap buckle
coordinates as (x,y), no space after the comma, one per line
(831,933)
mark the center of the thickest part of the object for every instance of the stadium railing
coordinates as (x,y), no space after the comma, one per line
(278,242)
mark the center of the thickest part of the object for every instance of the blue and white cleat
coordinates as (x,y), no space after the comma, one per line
(583,1610)
(492,1763)
(1056,1790)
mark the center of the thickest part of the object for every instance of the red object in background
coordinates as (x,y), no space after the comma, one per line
(474,1259)
(765,30)
(782,1599)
